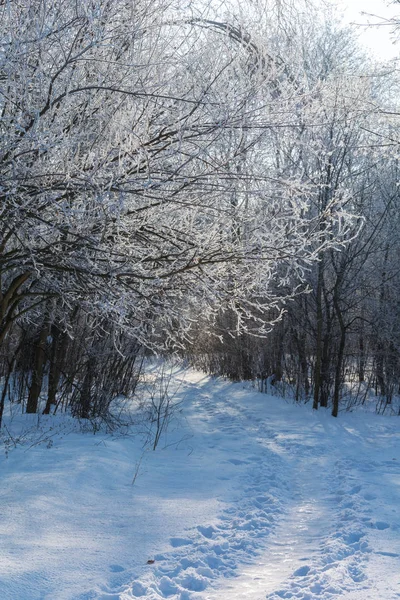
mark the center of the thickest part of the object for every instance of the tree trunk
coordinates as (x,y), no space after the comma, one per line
(318,352)
(338,372)
(37,371)
(86,392)
(58,349)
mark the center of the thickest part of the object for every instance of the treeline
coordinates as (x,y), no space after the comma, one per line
(82,369)
(203,182)
(338,345)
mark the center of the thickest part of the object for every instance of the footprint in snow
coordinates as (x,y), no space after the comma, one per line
(167,587)
(356,574)
(176,542)
(381,525)
(193,582)
(138,590)
(302,571)
(116,568)
(369,496)
(206,531)
(353,537)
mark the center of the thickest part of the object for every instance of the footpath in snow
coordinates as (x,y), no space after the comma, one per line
(247,497)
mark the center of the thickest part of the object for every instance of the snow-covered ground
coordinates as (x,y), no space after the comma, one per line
(246,497)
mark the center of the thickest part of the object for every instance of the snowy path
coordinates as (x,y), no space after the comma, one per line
(327,543)
(252,498)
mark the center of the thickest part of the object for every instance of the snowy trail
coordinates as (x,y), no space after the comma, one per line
(327,544)
(316,544)
(303,523)
(291,545)
(250,498)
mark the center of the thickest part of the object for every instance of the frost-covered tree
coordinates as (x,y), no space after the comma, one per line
(343,147)
(138,175)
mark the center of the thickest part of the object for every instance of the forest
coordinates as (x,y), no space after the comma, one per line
(217,182)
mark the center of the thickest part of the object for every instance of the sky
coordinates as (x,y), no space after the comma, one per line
(377,38)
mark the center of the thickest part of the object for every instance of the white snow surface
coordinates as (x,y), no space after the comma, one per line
(247,497)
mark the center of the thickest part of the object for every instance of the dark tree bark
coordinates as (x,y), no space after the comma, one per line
(38,370)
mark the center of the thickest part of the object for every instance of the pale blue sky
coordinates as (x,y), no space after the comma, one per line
(378,39)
